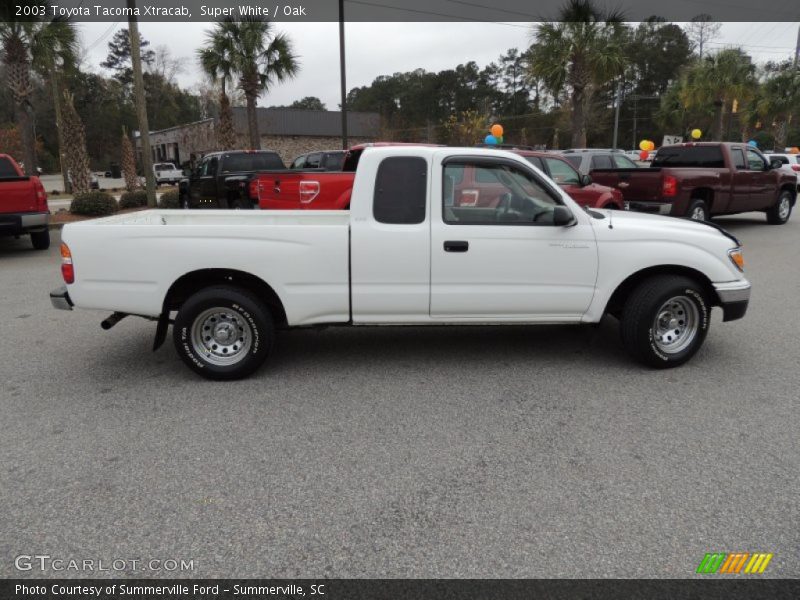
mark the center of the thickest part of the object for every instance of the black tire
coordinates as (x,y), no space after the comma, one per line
(184,200)
(41,239)
(782,210)
(646,336)
(244,312)
(697,208)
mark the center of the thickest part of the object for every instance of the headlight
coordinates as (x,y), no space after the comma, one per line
(737,258)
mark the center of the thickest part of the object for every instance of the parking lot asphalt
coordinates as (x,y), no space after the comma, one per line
(402,452)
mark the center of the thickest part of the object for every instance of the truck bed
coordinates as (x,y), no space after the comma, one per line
(307,251)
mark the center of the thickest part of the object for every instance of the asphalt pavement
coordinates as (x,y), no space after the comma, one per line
(402,452)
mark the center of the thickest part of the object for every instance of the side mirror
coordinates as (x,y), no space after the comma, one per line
(775,164)
(562,216)
(585,180)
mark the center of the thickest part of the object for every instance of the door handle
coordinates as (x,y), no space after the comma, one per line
(456,246)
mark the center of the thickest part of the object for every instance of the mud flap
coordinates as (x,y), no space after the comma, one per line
(161,330)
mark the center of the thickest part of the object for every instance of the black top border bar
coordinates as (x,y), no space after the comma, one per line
(496,11)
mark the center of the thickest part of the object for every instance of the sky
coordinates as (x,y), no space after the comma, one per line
(374,49)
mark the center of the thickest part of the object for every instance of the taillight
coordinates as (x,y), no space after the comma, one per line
(669,186)
(41,196)
(795,167)
(308,191)
(254,189)
(67,268)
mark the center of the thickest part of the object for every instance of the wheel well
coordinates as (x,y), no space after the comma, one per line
(792,190)
(704,194)
(195,281)
(624,289)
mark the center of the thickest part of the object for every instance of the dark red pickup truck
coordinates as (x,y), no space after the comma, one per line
(701,180)
(23,204)
(312,189)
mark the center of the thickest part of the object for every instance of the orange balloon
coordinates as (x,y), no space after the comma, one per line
(497,130)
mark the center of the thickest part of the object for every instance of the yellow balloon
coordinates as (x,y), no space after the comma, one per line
(497,130)
(643,145)
(651,145)
(696,134)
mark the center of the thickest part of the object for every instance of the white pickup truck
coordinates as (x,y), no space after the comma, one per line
(167,173)
(416,248)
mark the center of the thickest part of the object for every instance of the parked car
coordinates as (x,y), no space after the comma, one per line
(166,172)
(222,179)
(703,179)
(589,159)
(580,188)
(313,189)
(789,163)
(23,204)
(330,160)
(404,254)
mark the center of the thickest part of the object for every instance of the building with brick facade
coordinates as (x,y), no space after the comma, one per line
(287,131)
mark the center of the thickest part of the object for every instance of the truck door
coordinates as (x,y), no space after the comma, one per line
(390,243)
(509,260)
(762,192)
(741,181)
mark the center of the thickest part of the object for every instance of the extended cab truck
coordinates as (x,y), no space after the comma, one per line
(405,254)
(222,179)
(23,204)
(321,191)
(701,180)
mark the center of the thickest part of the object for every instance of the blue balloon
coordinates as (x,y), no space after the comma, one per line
(753,143)
(490,139)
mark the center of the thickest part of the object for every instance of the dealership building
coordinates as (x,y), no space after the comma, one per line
(287,131)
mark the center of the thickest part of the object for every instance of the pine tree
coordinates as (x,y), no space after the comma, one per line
(75,153)
(128,163)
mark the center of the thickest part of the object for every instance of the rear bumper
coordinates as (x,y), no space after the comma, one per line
(656,208)
(733,298)
(19,223)
(60,299)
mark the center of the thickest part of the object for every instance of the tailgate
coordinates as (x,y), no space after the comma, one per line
(634,184)
(17,195)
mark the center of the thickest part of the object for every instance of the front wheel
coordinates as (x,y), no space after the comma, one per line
(223,333)
(665,321)
(41,239)
(782,210)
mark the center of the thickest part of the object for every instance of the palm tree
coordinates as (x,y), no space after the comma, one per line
(27,45)
(716,81)
(780,101)
(215,60)
(253,52)
(579,54)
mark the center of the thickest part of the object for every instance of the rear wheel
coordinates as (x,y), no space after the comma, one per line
(41,239)
(665,321)
(780,213)
(223,333)
(698,210)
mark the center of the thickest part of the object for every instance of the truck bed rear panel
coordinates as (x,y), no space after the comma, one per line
(127,263)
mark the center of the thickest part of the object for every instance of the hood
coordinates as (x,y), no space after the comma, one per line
(660,226)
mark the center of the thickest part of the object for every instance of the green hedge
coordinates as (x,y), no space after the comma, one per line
(169,199)
(133,199)
(93,204)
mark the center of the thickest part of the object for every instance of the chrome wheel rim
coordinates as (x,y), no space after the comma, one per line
(222,337)
(783,208)
(699,213)
(675,325)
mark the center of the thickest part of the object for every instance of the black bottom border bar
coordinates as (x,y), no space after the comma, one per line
(397,589)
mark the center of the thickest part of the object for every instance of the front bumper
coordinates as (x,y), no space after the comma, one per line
(60,299)
(19,223)
(733,298)
(654,208)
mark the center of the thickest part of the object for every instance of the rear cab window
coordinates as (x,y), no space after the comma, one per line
(401,187)
(251,161)
(7,169)
(709,157)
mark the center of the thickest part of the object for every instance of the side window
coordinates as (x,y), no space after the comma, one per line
(400,190)
(623,162)
(784,160)
(211,166)
(574,160)
(561,172)
(535,161)
(754,161)
(298,162)
(601,161)
(738,158)
(510,196)
(6,168)
(313,161)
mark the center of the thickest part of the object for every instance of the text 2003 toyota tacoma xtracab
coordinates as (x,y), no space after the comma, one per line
(405,253)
